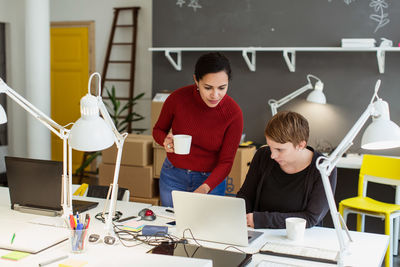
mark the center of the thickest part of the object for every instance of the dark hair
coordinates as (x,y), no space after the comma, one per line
(212,63)
(288,126)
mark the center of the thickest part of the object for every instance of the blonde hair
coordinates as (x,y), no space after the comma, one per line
(288,126)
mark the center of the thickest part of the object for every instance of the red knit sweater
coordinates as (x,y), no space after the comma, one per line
(215,132)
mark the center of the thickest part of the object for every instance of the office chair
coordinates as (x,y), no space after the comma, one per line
(101,191)
(383,170)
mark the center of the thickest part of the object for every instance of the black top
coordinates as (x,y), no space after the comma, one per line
(273,195)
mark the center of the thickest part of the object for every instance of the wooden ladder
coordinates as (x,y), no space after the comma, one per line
(130,62)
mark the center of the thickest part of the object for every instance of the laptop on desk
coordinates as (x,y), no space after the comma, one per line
(35,187)
(212,218)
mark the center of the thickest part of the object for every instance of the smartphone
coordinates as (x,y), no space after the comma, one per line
(172,223)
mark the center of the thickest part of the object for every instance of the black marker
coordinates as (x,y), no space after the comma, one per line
(169,210)
(127,218)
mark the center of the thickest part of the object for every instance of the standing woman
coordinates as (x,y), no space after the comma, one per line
(283,180)
(215,122)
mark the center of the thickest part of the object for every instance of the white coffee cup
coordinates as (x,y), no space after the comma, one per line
(182,144)
(295,228)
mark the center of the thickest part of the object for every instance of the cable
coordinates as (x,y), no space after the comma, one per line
(231,246)
(153,240)
(188,229)
(99,216)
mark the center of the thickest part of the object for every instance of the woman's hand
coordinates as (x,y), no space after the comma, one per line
(202,189)
(169,143)
(250,221)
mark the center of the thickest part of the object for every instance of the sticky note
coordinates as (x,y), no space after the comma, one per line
(133,226)
(72,263)
(15,255)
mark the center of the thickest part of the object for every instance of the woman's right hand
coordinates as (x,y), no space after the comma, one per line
(169,143)
(250,221)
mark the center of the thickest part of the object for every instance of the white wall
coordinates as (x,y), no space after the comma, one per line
(13,14)
(101,12)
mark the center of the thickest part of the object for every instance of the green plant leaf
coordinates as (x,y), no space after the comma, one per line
(87,162)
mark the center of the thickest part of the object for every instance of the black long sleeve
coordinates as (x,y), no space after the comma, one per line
(314,205)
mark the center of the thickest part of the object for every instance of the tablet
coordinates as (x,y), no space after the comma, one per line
(220,258)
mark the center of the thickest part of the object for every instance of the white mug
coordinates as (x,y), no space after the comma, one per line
(182,144)
(295,228)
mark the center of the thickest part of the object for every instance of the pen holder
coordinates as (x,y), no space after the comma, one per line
(78,240)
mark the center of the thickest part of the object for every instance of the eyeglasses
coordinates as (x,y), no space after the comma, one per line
(95,238)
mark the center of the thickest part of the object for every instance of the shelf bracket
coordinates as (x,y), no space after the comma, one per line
(251,63)
(290,62)
(380,56)
(176,64)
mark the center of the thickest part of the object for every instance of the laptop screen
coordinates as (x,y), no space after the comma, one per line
(211,218)
(34,183)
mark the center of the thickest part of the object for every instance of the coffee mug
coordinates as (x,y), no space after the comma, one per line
(295,228)
(182,144)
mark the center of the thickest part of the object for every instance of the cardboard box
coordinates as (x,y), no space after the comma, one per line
(240,166)
(155,201)
(137,151)
(159,155)
(156,106)
(138,180)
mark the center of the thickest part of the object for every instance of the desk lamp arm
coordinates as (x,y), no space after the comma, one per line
(326,164)
(54,127)
(275,104)
(119,141)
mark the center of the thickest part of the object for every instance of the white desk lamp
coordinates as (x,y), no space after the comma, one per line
(58,130)
(316,95)
(92,133)
(382,133)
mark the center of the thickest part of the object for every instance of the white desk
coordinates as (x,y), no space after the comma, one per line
(367,250)
(96,254)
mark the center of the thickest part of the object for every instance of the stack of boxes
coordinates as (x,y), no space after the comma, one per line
(136,171)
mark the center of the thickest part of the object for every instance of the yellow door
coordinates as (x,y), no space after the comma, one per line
(69,77)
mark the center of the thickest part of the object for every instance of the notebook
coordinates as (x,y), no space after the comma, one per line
(35,186)
(29,237)
(212,218)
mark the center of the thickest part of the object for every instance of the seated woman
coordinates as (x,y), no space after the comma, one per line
(283,180)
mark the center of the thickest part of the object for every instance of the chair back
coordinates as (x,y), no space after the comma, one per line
(100,191)
(378,169)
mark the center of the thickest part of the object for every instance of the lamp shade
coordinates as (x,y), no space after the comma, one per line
(382,133)
(90,132)
(3,115)
(317,95)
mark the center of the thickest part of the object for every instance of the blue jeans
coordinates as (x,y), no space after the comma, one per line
(172,178)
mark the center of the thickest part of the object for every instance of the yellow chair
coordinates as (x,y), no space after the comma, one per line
(383,170)
(80,190)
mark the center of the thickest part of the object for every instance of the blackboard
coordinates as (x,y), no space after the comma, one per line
(349,77)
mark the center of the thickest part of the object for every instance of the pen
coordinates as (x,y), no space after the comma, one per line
(53,260)
(12,239)
(169,210)
(72,221)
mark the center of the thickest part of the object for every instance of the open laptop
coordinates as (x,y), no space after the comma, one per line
(212,218)
(35,186)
